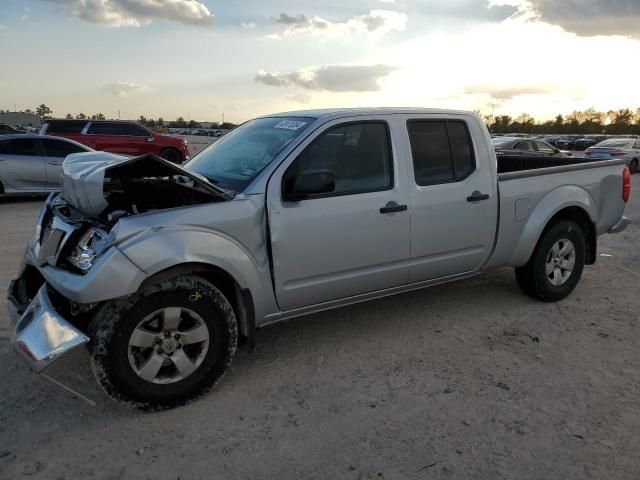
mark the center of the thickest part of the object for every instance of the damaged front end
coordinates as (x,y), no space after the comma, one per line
(72,262)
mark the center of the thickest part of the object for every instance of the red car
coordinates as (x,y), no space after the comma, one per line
(116,136)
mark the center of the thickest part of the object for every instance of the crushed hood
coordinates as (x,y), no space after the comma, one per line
(84,176)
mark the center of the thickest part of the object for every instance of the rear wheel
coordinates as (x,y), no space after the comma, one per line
(172,155)
(556,265)
(634,166)
(165,345)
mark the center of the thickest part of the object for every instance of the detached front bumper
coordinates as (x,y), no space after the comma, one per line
(40,333)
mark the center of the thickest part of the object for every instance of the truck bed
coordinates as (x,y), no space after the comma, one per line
(518,163)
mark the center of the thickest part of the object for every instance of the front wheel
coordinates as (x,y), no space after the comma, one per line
(634,166)
(164,346)
(172,155)
(556,265)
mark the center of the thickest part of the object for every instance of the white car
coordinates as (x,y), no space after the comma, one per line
(627,149)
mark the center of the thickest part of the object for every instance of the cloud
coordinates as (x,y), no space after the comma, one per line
(248,24)
(3,27)
(502,93)
(377,22)
(333,78)
(122,89)
(299,97)
(585,17)
(136,13)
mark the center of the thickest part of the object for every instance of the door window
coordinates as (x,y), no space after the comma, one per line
(523,145)
(545,148)
(59,148)
(136,131)
(18,146)
(108,128)
(442,151)
(65,126)
(358,155)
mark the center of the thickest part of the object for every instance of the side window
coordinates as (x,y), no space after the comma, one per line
(523,145)
(18,146)
(65,126)
(442,151)
(545,148)
(358,155)
(58,148)
(136,131)
(107,128)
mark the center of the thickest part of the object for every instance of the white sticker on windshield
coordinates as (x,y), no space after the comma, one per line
(290,124)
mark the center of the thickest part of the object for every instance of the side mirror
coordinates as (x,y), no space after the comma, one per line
(556,150)
(312,182)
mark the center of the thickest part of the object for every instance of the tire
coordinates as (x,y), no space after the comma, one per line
(633,166)
(172,155)
(129,341)
(550,253)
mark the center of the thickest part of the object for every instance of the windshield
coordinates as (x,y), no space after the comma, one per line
(235,160)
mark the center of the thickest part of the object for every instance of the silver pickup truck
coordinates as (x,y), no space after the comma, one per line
(162,269)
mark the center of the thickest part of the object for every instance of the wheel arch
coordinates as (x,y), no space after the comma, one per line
(565,203)
(240,298)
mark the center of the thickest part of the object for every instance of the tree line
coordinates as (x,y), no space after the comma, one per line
(45,113)
(590,121)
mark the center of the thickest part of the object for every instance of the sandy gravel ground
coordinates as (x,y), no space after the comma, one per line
(468,381)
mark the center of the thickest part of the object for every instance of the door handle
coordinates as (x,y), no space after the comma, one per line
(393,207)
(478,196)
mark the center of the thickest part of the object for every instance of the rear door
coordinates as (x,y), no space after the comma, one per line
(22,166)
(453,201)
(55,151)
(343,243)
(110,137)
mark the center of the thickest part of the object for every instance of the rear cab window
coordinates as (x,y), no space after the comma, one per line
(442,151)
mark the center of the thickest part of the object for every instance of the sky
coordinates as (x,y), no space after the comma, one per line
(200,59)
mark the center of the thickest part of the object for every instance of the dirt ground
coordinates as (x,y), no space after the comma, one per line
(470,380)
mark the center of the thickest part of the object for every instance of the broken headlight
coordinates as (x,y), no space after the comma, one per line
(91,245)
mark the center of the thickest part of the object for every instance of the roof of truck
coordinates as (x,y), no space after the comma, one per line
(350,112)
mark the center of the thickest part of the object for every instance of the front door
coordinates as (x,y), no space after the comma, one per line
(55,152)
(454,201)
(345,242)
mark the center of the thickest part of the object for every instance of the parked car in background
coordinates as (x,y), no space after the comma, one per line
(627,149)
(9,130)
(31,163)
(589,141)
(566,142)
(123,137)
(525,146)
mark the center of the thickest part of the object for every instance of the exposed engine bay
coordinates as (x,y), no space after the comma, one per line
(98,189)
(107,187)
